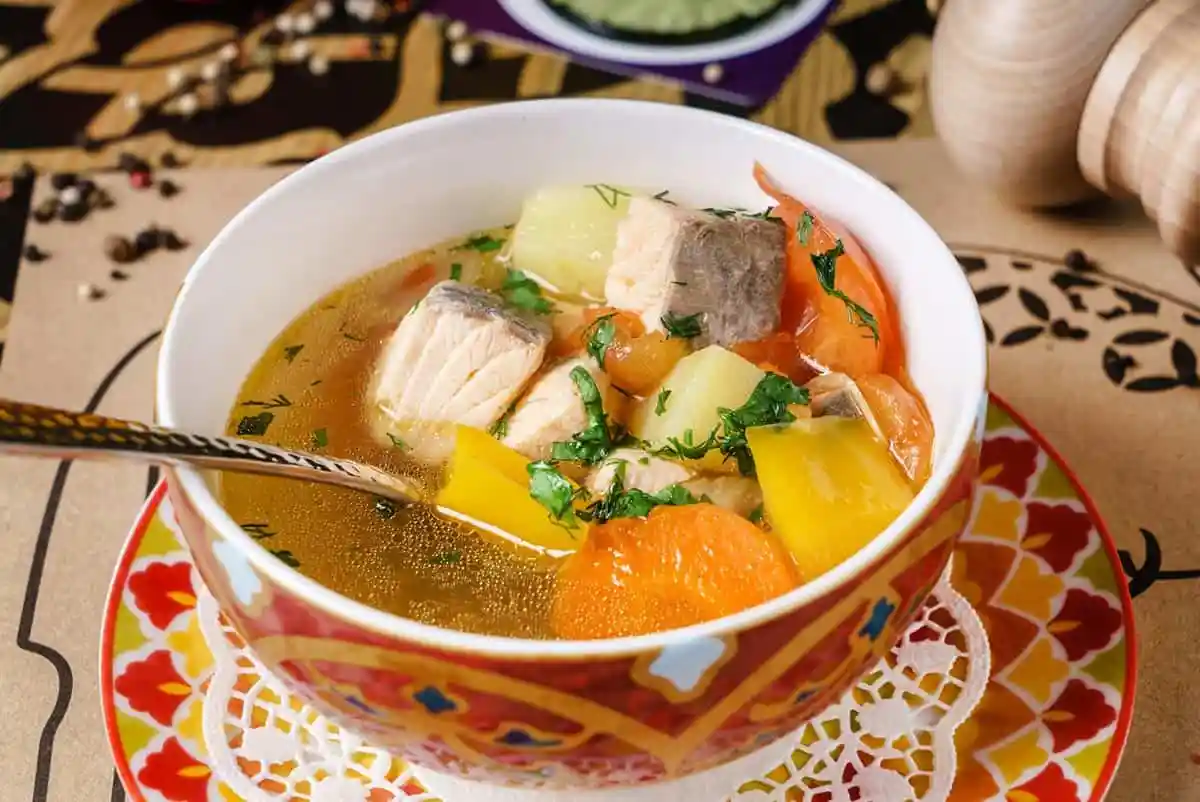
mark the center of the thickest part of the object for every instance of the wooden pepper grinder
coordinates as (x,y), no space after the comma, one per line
(1048,103)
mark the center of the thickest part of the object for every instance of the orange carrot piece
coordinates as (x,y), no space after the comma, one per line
(905,423)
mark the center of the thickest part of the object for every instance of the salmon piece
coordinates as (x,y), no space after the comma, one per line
(642,471)
(682,262)
(735,493)
(459,356)
(552,411)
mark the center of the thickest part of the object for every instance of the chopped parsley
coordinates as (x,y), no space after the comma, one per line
(634,503)
(286,557)
(599,336)
(278,401)
(446,558)
(396,441)
(521,291)
(595,442)
(724,214)
(291,352)
(548,487)
(686,447)
(500,428)
(354,338)
(682,327)
(826,266)
(258,531)
(255,425)
(320,438)
(804,229)
(660,403)
(609,194)
(482,243)
(456,272)
(756,514)
(385,509)
(662,196)
(767,405)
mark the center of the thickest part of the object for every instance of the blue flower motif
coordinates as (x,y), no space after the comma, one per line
(880,614)
(434,700)
(522,738)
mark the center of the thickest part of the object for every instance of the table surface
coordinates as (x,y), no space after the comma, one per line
(1127,424)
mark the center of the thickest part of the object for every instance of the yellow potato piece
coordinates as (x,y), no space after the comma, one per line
(487,481)
(829,487)
(699,385)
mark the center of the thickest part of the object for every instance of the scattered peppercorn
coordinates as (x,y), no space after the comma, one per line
(147,240)
(102,200)
(46,211)
(119,249)
(86,143)
(24,172)
(170,240)
(116,274)
(129,163)
(89,292)
(168,188)
(86,187)
(61,181)
(73,212)
(35,254)
(170,160)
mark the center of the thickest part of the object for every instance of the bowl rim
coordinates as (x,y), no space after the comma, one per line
(201,495)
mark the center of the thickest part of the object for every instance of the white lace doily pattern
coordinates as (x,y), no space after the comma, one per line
(891,739)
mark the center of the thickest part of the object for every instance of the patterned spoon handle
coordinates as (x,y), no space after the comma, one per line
(38,431)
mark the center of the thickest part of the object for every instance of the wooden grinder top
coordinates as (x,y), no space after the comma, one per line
(1050,103)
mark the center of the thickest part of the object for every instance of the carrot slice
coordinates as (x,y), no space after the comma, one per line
(904,421)
(824,326)
(680,566)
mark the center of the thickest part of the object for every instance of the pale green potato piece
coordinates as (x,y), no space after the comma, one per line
(700,384)
(566,236)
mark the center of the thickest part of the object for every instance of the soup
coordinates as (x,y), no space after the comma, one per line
(633,416)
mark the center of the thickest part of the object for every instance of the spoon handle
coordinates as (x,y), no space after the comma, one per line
(28,429)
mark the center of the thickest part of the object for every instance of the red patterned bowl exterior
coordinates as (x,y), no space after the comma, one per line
(587,723)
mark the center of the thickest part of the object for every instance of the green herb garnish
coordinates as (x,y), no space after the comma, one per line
(456,272)
(599,336)
(609,194)
(767,405)
(446,558)
(805,228)
(258,531)
(756,515)
(315,383)
(291,352)
(286,557)
(826,266)
(686,448)
(724,214)
(633,503)
(353,337)
(765,214)
(277,402)
(482,243)
(660,404)
(320,438)
(385,509)
(595,442)
(548,487)
(255,425)
(683,327)
(521,291)
(662,196)
(396,441)
(500,428)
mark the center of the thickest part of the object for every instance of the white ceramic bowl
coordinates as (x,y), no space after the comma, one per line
(426,181)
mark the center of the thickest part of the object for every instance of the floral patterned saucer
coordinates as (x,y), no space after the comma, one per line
(1040,716)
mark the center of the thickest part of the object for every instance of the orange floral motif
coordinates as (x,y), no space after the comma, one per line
(1009,463)
(154,687)
(162,591)
(174,773)
(1079,714)
(1056,533)
(1086,623)
(1051,785)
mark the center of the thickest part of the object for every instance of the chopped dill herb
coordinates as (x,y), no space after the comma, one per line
(682,327)
(456,272)
(258,531)
(277,402)
(396,441)
(599,336)
(291,352)
(255,425)
(826,267)
(660,403)
(286,557)
(609,194)
(805,228)
(385,509)
(320,438)
(483,243)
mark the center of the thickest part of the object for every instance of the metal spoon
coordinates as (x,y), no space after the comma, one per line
(32,430)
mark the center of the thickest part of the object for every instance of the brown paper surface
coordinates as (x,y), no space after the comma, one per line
(1102,362)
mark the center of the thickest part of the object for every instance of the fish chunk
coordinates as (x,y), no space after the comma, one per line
(837,395)
(682,262)
(459,356)
(736,493)
(642,471)
(552,410)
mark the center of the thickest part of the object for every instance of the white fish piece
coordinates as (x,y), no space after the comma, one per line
(682,262)
(836,394)
(642,471)
(459,356)
(552,411)
(737,493)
